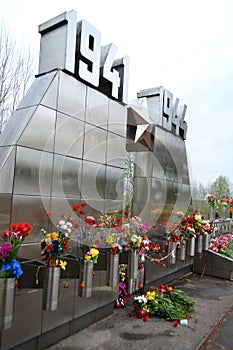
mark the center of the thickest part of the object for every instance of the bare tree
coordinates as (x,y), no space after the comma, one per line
(16,72)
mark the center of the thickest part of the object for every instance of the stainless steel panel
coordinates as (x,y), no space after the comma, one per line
(14,128)
(184,197)
(144,164)
(40,130)
(138,208)
(33,172)
(95,144)
(7,163)
(172,192)
(162,152)
(185,177)
(114,183)
(31,209)
(66,177)
(93,181)
(113,205)
(69,136)
(176,149)
(28,306)
(50,99)
(97,108)
(157,168)
(60,205)
(155,109)
(117,118)
(72,95)
(38,89)
(64,313)
(57,45)
(158,192)
(5,211)
(116,151)
(142,189)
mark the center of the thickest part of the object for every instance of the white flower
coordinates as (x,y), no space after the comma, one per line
(62,222)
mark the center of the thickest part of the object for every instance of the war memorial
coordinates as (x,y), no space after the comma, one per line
(74,151)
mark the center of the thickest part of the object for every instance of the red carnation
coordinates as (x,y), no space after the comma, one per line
(75,207)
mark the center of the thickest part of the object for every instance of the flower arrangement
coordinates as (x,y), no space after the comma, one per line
(165,302)
(55,244)
(194,225)
(212,201)
(225,200)
(117,248)
(9,266)
(92,255)
(135,242)
(222,245)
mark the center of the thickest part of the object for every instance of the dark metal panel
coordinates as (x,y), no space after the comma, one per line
(117,118)
(66,177)
(93,181)
(40,130)
(33,172)
(27,304)
(69,136)
(37,90)
(7,162)
(95,144)
(72,95)
(53,336)
(97,108)
(116,151)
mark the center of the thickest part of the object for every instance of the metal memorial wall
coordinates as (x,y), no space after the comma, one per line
(73,138)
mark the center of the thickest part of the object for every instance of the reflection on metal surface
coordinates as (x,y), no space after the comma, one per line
(7,302)
(71,96)
(50,301)
(40,130)
(33,172)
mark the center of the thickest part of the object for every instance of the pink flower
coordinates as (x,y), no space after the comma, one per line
(5,250)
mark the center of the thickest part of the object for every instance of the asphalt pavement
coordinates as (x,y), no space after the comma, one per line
(211,325)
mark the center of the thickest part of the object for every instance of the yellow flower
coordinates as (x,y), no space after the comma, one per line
(94,252)
(150,295)
(87,257)
(109,239)
(63,264)
(54,235)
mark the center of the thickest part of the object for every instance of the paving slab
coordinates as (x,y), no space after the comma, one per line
(122,330)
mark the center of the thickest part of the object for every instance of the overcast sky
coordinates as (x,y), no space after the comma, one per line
(184,45)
